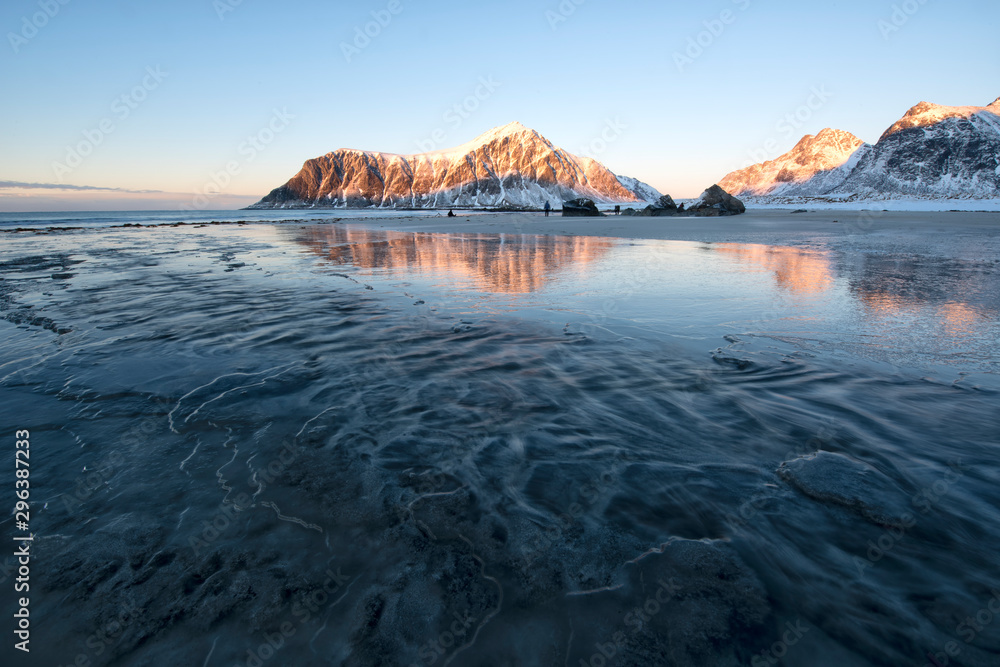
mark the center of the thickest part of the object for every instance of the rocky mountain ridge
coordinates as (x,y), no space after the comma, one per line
(510,166)
(932,152)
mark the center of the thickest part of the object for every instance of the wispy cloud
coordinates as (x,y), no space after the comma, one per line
(10,185)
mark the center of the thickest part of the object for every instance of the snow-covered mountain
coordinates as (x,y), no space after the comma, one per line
(507,166)
(933,152)
(815,166)
(643,191)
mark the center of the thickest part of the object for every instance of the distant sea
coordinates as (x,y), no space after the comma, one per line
(112,218)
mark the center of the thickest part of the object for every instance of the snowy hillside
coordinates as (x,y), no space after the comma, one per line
(507,166)
(815,166)
(933,152)
(642,190)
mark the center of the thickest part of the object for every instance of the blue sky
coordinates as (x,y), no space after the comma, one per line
(166,97)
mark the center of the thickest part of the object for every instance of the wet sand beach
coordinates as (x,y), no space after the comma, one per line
(522,441)
(766,226)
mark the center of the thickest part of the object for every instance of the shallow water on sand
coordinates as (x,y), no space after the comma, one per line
(336,445)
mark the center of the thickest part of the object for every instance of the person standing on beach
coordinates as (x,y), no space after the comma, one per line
(548,207)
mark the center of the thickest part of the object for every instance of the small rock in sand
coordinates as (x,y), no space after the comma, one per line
(838,479)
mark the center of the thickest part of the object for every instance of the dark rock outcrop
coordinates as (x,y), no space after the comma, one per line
(664,207)
(716,202)
(580,208)
(713,202)
(666,202)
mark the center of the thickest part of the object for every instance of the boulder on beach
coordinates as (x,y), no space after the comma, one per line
(717,202)
(580,208)
(665,206)
(666,202)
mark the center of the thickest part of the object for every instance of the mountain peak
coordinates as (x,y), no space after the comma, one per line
(516,126)
(926,114)
(828,145)
(510,165)
(508,130)
(955,149)
(840,139)
(821,156)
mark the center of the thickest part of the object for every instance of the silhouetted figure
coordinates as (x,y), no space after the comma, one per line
(548,208)
(680,209)
(451,214)
(618,210)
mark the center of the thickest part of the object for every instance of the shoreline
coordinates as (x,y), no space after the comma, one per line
(764,226)
(759,226)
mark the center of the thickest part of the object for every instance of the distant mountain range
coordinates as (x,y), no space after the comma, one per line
(510,166)
(933,152)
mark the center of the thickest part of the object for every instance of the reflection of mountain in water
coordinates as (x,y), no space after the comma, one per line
(961,291)
(795,269)
(501,263)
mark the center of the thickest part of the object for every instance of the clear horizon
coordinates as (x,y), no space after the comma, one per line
(166,107)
